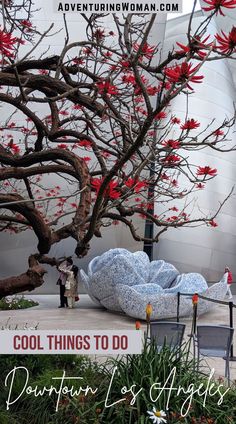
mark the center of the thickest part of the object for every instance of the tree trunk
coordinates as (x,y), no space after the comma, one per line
(27,281)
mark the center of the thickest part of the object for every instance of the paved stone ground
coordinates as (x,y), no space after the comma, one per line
(89,316)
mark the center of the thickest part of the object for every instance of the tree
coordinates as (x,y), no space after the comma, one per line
(97,116)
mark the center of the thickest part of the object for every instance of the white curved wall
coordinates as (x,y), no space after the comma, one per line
(205,249)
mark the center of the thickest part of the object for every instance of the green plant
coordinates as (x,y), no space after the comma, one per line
(8,418)
(143,371)
(16,302)
(42,368)
(152,367)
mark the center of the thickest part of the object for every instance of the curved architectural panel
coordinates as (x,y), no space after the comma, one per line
(206,250)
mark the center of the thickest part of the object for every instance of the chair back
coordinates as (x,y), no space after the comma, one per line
(167,333)
(214,340)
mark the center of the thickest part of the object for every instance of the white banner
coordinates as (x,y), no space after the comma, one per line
(114,6)
(71,342)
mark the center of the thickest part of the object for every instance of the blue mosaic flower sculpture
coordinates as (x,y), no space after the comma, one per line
(123,281)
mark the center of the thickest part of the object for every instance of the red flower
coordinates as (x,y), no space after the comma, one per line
(6,43)
(77,107)
(172,144)
(78,61)
(125,63)
(206,170)
(139,99)
(172,159)
(111,190)
(20,41)
(85,143)
(190,124)
(227,43)
(62,146)
(179,74)
(173,218)
(115,222)
(105,87)
(174,183)
(164,176)
(160,115)
(200,186)
(26,24)
(43,72)
(129,78)
(175,120)
(147,50)
(86,158)
(152,91)
(14,148)
(105,154)
(174,209)
(213,223)
(99,34)
(130,182)
(218,133)
(216,5)
(138,185)
(141,110)
(11,125)
(195,46)
(88,51)
(64,113)
(25,130)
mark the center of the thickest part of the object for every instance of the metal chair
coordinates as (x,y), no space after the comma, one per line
(215,341)
(167,333)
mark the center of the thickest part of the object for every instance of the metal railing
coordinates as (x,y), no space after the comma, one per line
(229,304)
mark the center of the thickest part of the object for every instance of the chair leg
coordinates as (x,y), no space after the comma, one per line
(194,355)
(198,360)
(228,373)
(227,370)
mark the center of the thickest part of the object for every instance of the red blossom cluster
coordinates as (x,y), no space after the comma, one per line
(217,5)
(172,144)
(219,133)
(175,120)
(227,43)
(196,45)
(190,124)
(85,143)
(105,87)
(172,159)
(146,50)
(160,115)
(213,223)
(206,170)
(14,147)
(27,25)
(135,184)
(180,74)
(111,191)
(7,42)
